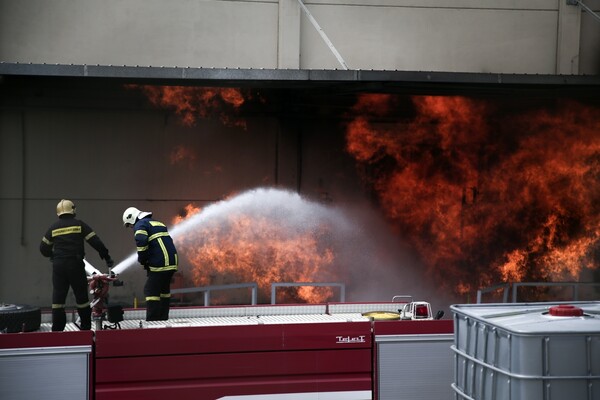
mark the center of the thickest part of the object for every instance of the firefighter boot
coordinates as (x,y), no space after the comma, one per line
(152,310)
(85,314)
(59,319)
(165,303)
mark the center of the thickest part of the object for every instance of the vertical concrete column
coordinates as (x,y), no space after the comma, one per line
(568,36)
(288,40)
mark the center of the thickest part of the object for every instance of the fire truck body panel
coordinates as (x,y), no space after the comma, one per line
(232,360)
(243,352)
(217,375)
(230,339)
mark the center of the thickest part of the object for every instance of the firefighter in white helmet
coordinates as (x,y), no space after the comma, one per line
(157,254)
(63,243)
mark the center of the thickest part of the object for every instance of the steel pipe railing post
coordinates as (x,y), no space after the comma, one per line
(515,290)
(505,292)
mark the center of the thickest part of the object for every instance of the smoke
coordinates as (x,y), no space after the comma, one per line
(270,235)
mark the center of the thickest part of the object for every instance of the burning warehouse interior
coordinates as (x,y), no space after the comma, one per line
(394,185)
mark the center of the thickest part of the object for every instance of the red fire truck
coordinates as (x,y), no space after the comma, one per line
(278,351)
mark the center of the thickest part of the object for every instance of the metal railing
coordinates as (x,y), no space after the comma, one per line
(274,287)
(208,289)
(505,290)
(514,287)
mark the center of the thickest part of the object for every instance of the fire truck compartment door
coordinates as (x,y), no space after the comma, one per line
(60,373)
(415,366)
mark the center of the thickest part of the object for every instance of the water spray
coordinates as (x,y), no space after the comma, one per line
(125,264)
(90,270)
(182,227)
(364,249)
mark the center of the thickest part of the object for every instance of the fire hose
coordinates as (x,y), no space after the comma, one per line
(99,284)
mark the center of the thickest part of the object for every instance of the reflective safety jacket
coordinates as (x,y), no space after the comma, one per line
(65,239)
(155,247)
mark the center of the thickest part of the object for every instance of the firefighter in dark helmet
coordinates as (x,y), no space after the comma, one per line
(64,244)
(157,254)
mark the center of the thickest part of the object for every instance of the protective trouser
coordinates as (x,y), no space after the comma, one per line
(158,295)
(69,272)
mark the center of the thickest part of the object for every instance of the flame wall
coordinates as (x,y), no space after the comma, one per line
(485,191)
(442,194)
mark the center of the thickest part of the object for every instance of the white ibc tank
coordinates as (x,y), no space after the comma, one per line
(527,351)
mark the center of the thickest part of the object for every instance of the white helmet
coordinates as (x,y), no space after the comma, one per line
(65,207)
(132,214)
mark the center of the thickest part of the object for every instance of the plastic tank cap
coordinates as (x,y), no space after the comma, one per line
(566,311)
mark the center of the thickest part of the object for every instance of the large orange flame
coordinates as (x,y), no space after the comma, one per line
(190,103)
(246,246)
(484,199)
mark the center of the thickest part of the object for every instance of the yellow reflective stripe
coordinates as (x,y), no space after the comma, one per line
(153,298)
(156,223)
(66,231)
(164,250)
(46,240)
(84,305)
(157,235)
(165,295)
(176,260)
(142,248)
(55,306)
(161,269)
(141,232)
(91,235)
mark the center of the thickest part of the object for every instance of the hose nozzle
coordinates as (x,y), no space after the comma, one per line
(113,278)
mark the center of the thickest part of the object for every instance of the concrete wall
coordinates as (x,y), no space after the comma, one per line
(589,53)
(502,36)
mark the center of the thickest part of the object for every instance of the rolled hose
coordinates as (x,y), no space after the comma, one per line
(382,315)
